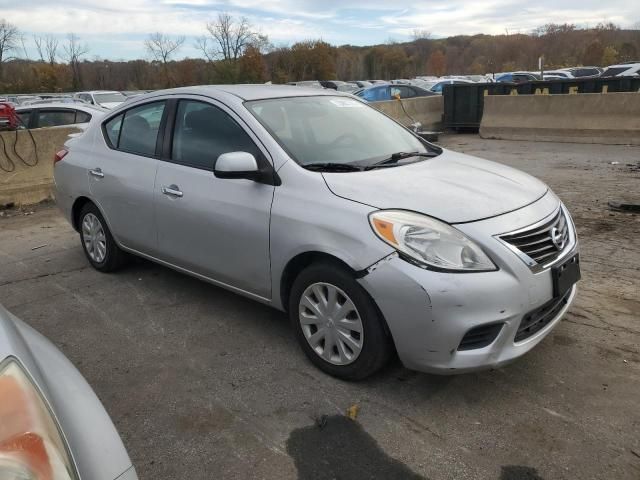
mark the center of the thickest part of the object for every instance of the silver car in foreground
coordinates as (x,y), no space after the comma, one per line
(372,239)
(52,425)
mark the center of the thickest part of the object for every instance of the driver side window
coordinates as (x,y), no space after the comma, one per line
(203,132)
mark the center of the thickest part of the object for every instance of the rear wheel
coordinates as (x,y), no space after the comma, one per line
(337,324)
(99,246)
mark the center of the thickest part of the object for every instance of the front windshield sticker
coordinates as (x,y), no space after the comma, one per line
(346,103)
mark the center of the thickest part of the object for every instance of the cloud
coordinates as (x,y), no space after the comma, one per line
(116,28)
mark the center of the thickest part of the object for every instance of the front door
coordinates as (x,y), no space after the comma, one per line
(218,228)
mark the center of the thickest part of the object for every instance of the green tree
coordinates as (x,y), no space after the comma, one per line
(609,56)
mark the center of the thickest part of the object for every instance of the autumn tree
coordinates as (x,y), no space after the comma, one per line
(226,41)
(609,56)
(437,63)
(593,53)
(252,68)
(162,47)
(47,48)
(74,50)
(227,38)
(9,41)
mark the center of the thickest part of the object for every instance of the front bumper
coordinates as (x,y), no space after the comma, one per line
(428,313)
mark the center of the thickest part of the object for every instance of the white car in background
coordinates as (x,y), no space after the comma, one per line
(103,98)
(52,425)
(43,115)
(629,69)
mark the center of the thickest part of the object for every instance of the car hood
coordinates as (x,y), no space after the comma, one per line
(452,187)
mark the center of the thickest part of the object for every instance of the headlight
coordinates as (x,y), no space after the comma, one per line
(31,446)
(429,241)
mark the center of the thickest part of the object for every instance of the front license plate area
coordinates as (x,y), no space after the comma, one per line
(565,276)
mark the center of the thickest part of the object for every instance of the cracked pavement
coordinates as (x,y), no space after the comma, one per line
(203,384)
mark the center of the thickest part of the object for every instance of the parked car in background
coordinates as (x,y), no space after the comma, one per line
(306,83)
(134,93)
(517,77)
(103,98)
(379,93)
(437,88)
(21,99)
(48,100)
(348,87)
(333,84)
(579,72)
(58,114)
(628,69)
(362,83)
(372,239)
(52,425)
(564,74)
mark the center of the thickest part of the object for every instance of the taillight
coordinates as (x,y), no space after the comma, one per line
(60,155)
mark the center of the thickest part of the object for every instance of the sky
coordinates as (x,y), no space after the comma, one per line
(116,29)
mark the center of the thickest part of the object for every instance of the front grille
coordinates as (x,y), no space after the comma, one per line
(480,337)
(539,318)
(544,242)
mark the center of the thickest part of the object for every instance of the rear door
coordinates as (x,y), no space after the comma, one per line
(122,173)
(218,228)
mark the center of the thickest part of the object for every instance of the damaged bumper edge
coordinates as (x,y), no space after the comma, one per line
(427,323)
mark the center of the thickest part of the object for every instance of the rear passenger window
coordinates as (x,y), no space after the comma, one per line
(53,118)
(203,132)
(140,129)
(23,116)
(82,117)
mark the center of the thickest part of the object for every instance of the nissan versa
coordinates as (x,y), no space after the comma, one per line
(372,239)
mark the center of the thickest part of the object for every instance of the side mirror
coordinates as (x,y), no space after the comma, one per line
(237,165)
(396,95)
(244,165)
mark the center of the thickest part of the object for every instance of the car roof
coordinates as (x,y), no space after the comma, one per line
(247,92)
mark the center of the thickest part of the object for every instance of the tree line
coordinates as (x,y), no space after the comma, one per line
(233,51)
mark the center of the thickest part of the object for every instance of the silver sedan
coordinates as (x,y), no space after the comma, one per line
(372,239)
(52,425)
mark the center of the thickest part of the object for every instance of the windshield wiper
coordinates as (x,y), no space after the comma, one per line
(396,157)
(332,167)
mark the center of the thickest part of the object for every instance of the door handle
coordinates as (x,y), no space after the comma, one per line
(97,172)
(172,191)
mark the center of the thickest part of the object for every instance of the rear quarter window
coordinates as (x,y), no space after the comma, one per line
(82,117)
(112,130)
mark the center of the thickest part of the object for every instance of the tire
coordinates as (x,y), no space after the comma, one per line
(97,242)
(342,360)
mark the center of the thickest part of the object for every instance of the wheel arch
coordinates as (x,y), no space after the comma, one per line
(77,207)
(298,263)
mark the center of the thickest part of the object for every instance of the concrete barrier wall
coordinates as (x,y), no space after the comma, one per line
(426,110)
(26,185)
(612,118)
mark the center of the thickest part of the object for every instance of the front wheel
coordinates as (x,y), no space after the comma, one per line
(337,324)
(99,246)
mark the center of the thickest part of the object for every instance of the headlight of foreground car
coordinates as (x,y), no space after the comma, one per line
(429,242)
(31,446)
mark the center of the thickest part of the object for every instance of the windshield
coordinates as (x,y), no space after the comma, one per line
(109,97)
(331,129)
